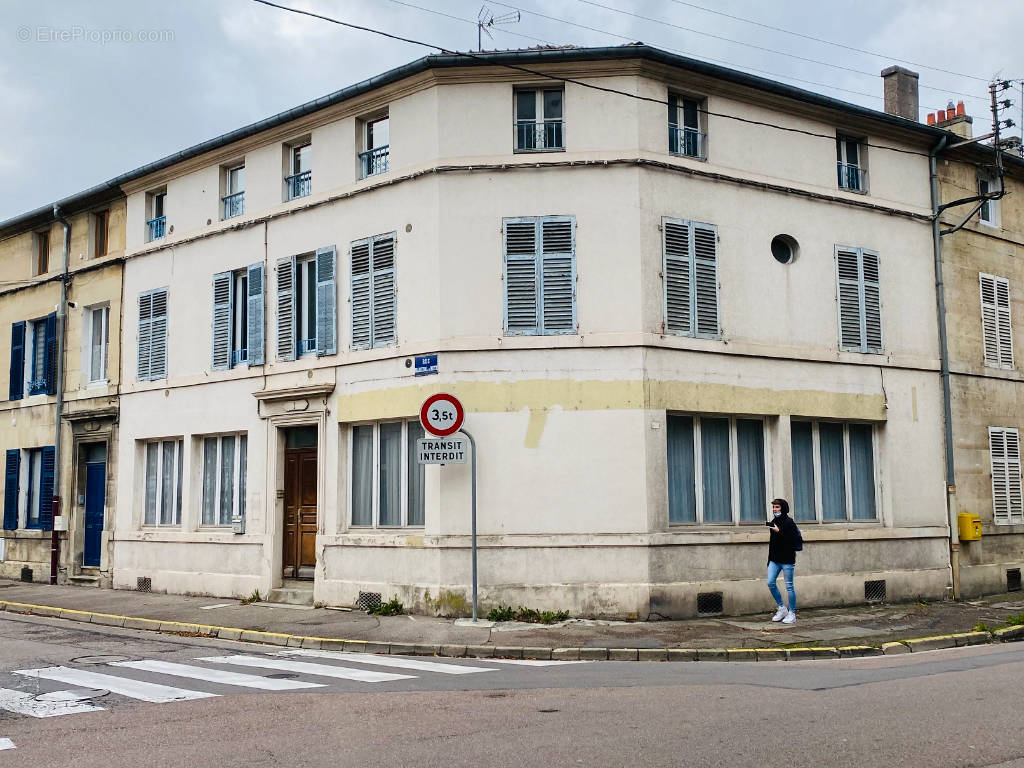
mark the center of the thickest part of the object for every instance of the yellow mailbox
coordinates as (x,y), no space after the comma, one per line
(970,526)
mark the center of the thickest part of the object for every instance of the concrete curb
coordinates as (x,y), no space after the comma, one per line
(188,629)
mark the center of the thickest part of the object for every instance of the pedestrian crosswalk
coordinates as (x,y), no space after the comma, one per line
(293,669)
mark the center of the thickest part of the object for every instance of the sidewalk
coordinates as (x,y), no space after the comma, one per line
(819,632)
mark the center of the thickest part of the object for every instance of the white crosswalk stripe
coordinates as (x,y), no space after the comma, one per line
(135,689)
(6,744)
(303,667)
(388,661)
(24,703)
(216,675)
(536,662)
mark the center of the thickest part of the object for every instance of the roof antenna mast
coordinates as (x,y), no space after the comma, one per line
(486,18)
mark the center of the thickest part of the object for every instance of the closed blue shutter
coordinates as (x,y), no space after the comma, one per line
(17,387)
(12,468)
(558,275)
(326,302)
(46,489)
(382,292)
(50,354)
(254,332)
(361,294)
(223,286)
(286,308)
(521,279)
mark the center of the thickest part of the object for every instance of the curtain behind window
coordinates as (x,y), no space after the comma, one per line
(416,476)
(362,475)
(862,472)
(682,498)
(390,474)
(750,447)
(802,441)
(833,471)
(714,434)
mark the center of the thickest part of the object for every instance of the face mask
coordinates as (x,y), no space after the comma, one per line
(776,514)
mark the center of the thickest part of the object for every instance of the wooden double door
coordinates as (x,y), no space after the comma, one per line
(300,483)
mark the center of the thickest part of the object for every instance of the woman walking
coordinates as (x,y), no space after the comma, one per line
(782,558)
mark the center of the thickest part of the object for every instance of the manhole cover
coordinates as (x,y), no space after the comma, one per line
(101,658)
(73,694)
(282,676)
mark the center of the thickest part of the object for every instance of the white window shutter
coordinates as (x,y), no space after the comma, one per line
(705,282)
(286,308)
(382,315)
(326,302)
(989,319)
(1013,479)
(872,301)
(223,287)
(851,333)
(1004,450)
(254,332)
(360,257)
(145,333)
(158,336)
(521,279)
(1002,286)
(558,276)
(678,276)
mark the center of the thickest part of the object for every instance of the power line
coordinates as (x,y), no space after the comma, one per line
(486,59)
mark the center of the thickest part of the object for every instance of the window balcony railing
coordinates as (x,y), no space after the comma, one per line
(374,161)
(533,136)
(688,142)
(299,184)
(155,228)
(852,177)
(37,387)
(234,205)
(239,356)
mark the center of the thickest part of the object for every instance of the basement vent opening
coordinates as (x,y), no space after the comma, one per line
(26,574)
(1013,580)
(368,600)
(143,584)
(709,602)
(874,591)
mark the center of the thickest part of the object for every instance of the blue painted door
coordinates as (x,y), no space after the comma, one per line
(95,499)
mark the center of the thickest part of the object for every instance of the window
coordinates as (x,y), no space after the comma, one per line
(996,331)
(850,166)
(298,182)
(538,124)
(100,224)
(860,308)
(1004,450)
(152,335)
(307,305)
(97,337)
(540,275)
(233,202)
(37,383)
(156,225)
(238,318)
(833,471)
(376,147)
(33,366)
(38,481)
(690,252)
(989,212)
(716,469)
(387,481)
(684,134)
(162,485)
(374,306)
(224,466)
(42,253)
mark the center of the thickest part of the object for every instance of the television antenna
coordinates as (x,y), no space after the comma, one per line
(486,19)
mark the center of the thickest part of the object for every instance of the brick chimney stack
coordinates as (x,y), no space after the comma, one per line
(953,118)
(900,85)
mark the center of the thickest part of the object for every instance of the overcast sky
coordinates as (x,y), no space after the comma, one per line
(90,90)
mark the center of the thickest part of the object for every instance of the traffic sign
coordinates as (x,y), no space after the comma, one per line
(426,365)
(442,414)
(441,450)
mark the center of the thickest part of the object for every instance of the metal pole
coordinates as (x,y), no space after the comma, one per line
(62,314)
(472,444)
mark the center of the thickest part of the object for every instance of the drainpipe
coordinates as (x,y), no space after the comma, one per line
(62,312)
(940,293)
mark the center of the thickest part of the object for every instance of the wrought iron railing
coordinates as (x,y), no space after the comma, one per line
(156,227)
(852,177)
(234,205)
(239,356)
(538,136)
(688,142)
(299,184)
(374,161)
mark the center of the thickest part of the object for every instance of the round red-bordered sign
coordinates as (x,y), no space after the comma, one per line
(442,414)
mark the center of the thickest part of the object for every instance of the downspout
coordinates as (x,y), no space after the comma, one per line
(62,312)
(940,293)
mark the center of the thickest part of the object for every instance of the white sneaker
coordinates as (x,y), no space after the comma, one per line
(780,614)
(790,618)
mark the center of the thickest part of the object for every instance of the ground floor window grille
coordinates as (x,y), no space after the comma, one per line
(162,489)
(833,471)
(387,481)
(224,469)
(716,469)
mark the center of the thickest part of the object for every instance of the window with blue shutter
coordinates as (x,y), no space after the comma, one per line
(690,275)
(540,275)
(859,290)
(17,368)
(326,302)
(46,480)
(374,295)
(254,330)
(12,472)
(50,354)
(152,335)
(286,308)
(222,313)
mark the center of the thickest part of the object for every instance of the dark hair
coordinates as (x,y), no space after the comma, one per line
(782,503)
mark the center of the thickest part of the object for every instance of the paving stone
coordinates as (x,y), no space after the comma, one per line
(931,643)
(712,654)
(894,649)
(312,643)
(542,654)
(82,616)
(593,654)
(227,634)
(971,638)
(480,651)
(794,654)
(294,641)
(682,654)
(741,654)
(108,621)
(350,646)
(771,654)
(857,651)
(45,610)
(134,623)
(623,654)
(177,627)
(422,649)
(508,652)
(1009,634)
(452,651)
(373,647)
(402,649)
(652,654)
(565,654)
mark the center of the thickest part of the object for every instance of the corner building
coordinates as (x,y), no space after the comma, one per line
(659,313)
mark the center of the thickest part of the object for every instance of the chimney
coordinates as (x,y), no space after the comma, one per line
(900,85)
(953,119)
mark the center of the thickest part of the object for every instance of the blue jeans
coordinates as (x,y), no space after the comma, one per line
(787,577)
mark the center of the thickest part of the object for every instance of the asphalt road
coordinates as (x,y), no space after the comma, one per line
(209,705)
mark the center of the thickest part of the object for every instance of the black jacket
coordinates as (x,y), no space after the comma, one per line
(780,545)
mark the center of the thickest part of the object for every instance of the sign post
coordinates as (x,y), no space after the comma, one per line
(442,415)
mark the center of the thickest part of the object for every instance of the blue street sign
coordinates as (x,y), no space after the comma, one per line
(426,365)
